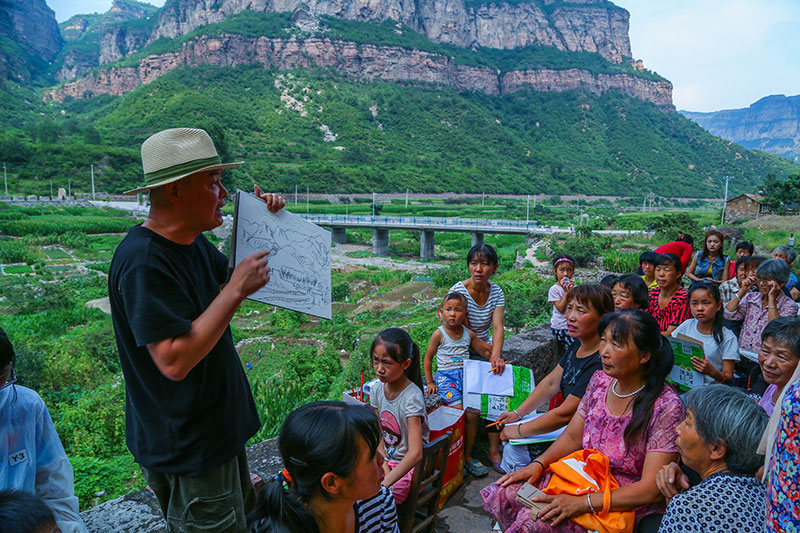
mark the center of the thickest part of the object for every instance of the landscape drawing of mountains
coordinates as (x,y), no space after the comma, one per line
(542,96)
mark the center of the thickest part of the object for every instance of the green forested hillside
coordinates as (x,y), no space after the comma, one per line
(389,137)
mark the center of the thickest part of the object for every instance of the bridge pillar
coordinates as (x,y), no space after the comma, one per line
(477,238)
(380,241)
(338,234)
(426,244)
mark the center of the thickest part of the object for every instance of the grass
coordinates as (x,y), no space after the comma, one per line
(17,269)
(57,253)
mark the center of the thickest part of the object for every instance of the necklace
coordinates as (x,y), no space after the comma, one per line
(634,393)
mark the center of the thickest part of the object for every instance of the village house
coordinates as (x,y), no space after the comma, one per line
(744,206)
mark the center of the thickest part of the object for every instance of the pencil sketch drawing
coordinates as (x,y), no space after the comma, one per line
(300,256)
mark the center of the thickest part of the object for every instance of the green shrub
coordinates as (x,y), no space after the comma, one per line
(316,371)
(115,475)
(55,224)
(287,320)
(526,298)
(13,251)
(340,291)
(622,262)
(74,240)
(94,425)
(447,277)
(584,251)
(275,398)
(100,267)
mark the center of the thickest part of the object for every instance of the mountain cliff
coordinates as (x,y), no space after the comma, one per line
(772,124)
(93,40)
(579,25)
(367,51)
(364,62)
(595,26)
(29,38)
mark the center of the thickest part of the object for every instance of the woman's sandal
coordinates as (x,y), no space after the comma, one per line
(476,468)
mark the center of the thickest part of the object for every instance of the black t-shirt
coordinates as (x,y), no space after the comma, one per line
(577,371)
(157,287)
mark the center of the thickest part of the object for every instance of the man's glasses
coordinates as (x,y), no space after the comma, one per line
(12,378)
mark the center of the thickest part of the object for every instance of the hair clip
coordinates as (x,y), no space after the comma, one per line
(298,462)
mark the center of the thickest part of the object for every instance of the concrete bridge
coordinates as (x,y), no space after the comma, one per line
(427,226)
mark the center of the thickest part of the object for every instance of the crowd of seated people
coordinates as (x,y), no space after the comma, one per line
(722,456)
(703,460)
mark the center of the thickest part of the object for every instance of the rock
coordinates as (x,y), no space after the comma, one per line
(432,401)
(535,349)
(362,61)
(587,25)
(31,26)
(658,92)
(134,513)
(139,512)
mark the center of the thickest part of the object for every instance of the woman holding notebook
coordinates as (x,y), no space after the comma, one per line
(585,306)
(627,413)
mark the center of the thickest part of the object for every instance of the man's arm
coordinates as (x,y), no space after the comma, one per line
(176,356)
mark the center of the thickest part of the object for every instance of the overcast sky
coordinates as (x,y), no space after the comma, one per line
(719,54)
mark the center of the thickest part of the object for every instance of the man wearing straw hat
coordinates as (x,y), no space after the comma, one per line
(189,410)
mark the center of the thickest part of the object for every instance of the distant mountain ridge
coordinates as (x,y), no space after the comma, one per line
(353,95)
(771,124)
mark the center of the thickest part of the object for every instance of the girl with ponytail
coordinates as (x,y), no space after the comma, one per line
(401,407)
(628,414)
(331,480)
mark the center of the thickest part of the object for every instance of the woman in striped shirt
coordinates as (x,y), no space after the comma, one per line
(485,313)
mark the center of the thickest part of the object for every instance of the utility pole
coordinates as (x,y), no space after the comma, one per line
(307,191)
(92,182)
(373,204)
(483,199)
(528,210)
(69,188)
(725,201)
(644,203)
(5,178)
(534,201)
(295,194)
(51,189)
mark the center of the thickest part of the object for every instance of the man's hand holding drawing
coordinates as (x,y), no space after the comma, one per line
(275,202)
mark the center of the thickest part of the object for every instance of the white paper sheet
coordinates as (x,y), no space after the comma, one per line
(479,379)
(544,437)
(300,256)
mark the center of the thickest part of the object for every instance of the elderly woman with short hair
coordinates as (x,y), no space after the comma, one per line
(718,439)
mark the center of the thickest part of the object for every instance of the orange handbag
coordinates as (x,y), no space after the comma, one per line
(586,471)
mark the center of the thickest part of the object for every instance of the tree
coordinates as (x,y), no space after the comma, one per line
(778,193)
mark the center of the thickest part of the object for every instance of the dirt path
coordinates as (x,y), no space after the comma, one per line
(530,254)
(340,260)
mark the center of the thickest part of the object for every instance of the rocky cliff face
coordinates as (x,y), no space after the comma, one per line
(31,26)
(101,39)
(582,25)
(362,61)
(772,124)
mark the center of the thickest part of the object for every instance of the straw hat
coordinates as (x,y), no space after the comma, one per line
(174,154)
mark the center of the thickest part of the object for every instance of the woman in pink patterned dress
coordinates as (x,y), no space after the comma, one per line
(627,413)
